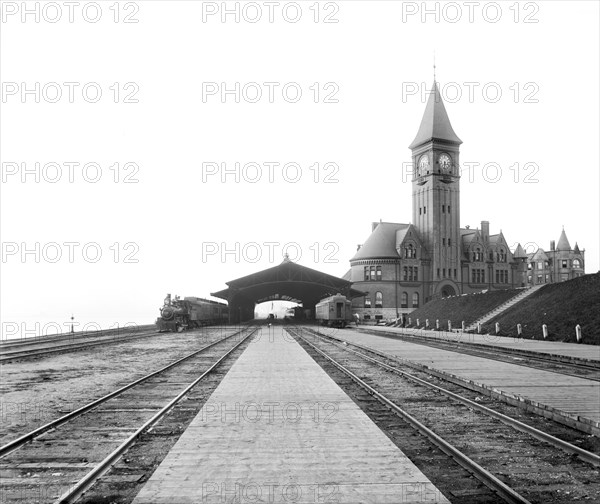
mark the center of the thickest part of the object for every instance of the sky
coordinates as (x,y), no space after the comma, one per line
(157,147)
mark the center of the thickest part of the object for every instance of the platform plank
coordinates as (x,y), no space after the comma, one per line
(574,396)
(574,350)
(278,429)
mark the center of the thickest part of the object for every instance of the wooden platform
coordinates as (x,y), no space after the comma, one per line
(590,352)
(575,398)
(278,429)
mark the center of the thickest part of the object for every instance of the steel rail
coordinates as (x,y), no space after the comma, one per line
(57,338)
(585,455)
(503,490)
(27,354)
(455,345)
(79,488)
(17,443)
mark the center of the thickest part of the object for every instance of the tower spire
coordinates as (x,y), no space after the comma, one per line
(434,65)
(435,124)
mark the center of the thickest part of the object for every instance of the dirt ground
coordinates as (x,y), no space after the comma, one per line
(34,392)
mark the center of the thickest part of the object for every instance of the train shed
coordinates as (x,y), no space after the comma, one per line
(288,281)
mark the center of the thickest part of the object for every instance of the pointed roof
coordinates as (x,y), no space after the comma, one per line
(539,255)
(381,243)
(519,252)
(563,243)
(409,231)
(576,249)
(435,123)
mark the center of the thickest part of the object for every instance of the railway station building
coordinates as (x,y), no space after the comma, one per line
(402,266)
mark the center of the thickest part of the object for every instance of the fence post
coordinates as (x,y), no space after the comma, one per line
(519,330)
(463,326)
(545,330)
(497,327)
(578,333)
(427,323)
(437,323)
(478,327)
(449,325)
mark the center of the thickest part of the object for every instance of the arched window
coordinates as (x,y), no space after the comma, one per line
(404,300)
(378,300)
(415,300)
(410,252)
(367,302)
(502,255)
(576,263)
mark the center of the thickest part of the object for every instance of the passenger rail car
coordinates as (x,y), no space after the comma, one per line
(190,312)
(334,311)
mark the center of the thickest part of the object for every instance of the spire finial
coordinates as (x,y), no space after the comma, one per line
(434,65)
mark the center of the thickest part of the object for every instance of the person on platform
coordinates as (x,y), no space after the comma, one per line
(356,319)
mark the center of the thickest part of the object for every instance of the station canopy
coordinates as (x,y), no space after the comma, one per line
(286,282)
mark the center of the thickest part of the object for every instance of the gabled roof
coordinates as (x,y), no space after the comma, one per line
(287,281)
(563,243)
(540,255)
(498,239)
(435,124)
(410,232)
(381,243)
(468,235)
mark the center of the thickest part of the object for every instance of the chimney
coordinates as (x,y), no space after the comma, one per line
(485,230)
(552,245)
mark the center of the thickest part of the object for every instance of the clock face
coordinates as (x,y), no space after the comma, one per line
(445,163)
(423,165)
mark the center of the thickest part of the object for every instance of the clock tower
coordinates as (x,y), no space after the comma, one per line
(436,196)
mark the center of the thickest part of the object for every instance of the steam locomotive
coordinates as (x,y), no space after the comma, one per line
(334,311)
(179,314)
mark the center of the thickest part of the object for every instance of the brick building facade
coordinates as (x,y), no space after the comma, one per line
(402,266)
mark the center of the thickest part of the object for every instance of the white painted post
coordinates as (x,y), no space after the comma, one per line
(409,321)
(545,330)
(449,326)
(437,323)
(497,327)
(519,330)
(418,323)
(578,333)
(463,326)
(478,327)
(427,323)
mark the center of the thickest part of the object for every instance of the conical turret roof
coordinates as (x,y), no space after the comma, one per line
(519,252)
(435,124)
(563,242)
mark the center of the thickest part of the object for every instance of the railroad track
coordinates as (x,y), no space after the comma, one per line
(80,335)
(24,350)
(40,350)
(515,461)
(570,366)
(61,460)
